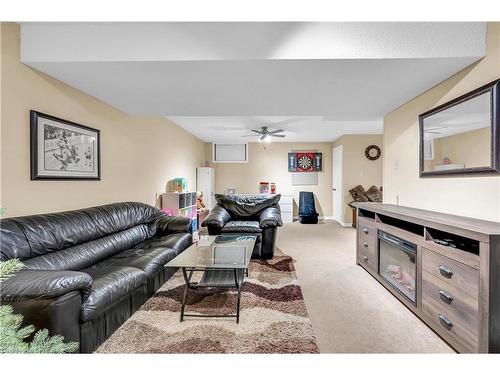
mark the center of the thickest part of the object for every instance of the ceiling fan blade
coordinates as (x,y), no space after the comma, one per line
(278,135)
(276,131)
(257,131)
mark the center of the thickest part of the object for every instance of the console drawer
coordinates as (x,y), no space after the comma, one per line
(366,229)
(456,274)
(455,312)
(366,257)
(366,243)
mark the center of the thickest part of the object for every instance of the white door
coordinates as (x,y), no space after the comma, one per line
(337,184)
(205,182)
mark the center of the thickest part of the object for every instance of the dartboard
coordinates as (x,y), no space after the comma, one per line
(304,162)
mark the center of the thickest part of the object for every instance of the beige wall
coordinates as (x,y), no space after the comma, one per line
(139,155)
(357,169)
(468,196)
(271,165)
(472,149)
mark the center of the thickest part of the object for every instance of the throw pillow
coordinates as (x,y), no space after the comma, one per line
(374,194)
(358,193)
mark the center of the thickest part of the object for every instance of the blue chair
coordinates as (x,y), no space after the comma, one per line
(307,208)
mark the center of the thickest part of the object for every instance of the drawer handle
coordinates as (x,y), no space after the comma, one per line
(365,244)
(445,322)
(445,297)
(365,258)
(446,272)
(365,230)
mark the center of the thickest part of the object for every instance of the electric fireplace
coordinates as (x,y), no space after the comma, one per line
(397,264)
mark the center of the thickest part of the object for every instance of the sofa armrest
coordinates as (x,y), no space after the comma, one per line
(270,218)
(216,219)
(38,284)
(172,224)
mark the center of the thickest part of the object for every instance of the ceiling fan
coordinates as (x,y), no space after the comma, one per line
(265,134)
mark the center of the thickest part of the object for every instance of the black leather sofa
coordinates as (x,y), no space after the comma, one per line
(252,214)
(87,271)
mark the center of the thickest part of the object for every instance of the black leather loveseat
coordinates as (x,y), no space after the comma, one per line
(253,214)
(87,271)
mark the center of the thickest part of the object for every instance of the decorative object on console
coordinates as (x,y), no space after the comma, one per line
(63,150)
(307,208)
(467,129)
(230,190)
(373,152)
(305,161)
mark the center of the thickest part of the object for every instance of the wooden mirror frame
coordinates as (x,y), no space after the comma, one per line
(494,89)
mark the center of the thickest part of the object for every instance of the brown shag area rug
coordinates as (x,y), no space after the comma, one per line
(273,317)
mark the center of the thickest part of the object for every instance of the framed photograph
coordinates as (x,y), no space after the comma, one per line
(63,150)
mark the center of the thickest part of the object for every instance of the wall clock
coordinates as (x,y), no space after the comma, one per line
(373,152)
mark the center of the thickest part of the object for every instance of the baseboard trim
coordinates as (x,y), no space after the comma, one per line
(330,218)
(346,224)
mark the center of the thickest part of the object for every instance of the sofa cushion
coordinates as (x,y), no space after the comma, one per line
(109,285)
(176,241)
(85,255)
(148,260)
(246,205)
(238,226)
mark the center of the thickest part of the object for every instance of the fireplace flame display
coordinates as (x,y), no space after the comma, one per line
(397,263)
(401,276)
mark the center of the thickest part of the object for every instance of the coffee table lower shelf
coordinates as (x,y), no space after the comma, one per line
(231,278)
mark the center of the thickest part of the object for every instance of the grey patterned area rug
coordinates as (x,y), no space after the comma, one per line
(273,317)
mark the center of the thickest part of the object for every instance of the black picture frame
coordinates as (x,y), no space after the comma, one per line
(36,174)
(494,168)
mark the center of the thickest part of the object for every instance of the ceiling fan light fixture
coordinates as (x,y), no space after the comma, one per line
(265,138)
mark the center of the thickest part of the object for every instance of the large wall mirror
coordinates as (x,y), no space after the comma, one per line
(463,135)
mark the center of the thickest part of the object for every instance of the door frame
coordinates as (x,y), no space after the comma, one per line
(335,185)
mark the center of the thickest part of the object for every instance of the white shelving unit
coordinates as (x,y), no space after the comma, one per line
(180,204)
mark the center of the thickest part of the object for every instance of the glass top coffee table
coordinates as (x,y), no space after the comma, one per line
(223,261)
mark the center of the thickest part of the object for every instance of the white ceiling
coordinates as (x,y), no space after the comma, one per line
(297,129)
(211,76)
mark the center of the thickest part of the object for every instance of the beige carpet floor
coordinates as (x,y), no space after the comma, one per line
(349,310)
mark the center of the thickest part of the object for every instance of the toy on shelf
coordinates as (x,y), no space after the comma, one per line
(178,185)
(200,201)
